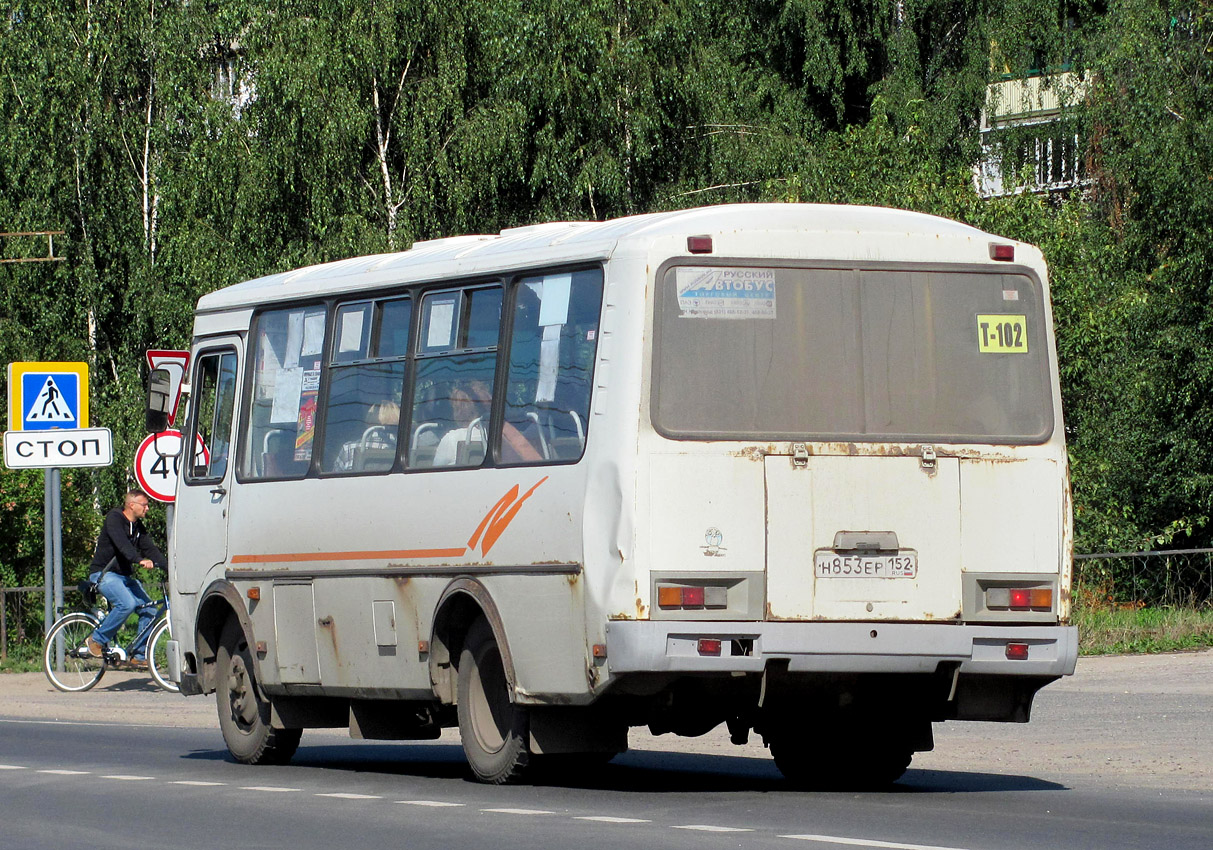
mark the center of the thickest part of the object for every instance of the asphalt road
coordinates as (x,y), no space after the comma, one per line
(1120,756)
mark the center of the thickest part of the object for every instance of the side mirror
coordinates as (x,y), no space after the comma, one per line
(159,399)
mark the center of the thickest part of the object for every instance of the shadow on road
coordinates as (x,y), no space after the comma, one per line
(129,686)
(636,772)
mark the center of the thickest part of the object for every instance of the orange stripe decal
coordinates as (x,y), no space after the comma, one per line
(501,517)
(296,557)
(494,524)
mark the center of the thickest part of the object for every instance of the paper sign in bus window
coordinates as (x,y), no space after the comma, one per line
(441,331)
(1002,334)
(352,322)
(725,293)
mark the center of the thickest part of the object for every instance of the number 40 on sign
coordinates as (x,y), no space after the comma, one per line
(158,463)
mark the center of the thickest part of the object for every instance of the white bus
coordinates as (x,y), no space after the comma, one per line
(795,469)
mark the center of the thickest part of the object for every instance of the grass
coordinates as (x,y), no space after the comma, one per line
(1106,630)
(1102,630)
(22,658)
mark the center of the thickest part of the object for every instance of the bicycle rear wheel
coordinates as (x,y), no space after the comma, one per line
(78,671)
(157,656)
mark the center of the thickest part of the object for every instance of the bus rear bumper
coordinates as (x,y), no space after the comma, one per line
(645,646)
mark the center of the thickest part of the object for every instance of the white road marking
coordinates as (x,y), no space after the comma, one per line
(124,777)
(608,819)
(66,772)
(269,788)
(12,767)
(433,804)
(92,723)
(199,783)
(866,842)
(345,796)
(519,811)
(703,827)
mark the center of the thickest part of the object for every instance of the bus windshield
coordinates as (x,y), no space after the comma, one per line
(851,354)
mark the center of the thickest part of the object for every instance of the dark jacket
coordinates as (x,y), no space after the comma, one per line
(126,541)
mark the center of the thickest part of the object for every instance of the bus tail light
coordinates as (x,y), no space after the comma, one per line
(699,244)
(709,646)
(1017,652)
(1020,598)
(674,596)
(1003,252)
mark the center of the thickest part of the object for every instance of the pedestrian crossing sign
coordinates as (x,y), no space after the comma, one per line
(42,396)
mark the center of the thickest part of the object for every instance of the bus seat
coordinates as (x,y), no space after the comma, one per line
(376,451)
(276,453)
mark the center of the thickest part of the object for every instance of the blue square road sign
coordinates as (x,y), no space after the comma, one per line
(47,395)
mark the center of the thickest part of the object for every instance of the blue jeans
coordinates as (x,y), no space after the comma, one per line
(125,595)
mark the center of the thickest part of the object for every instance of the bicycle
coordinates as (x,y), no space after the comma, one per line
(70,667)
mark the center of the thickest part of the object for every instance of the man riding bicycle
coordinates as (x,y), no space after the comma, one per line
(124,542)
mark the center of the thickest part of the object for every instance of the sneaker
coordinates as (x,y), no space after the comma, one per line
(94,649)
(138,663)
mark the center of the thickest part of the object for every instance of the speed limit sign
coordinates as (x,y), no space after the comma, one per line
(158,463)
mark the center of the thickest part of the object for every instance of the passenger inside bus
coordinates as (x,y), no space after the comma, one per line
(464,442)
(375,449)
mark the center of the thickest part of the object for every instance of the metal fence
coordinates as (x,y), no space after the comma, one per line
(16,595)
(1175,578)
(22,614)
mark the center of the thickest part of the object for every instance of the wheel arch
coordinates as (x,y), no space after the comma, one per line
(463,601)
(220,602)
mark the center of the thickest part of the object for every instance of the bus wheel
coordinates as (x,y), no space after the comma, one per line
(847,762)
(494,730)
(244,715)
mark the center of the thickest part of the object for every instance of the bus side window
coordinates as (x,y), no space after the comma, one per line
(280,430)
(453,389)
(552,355)
(366,379)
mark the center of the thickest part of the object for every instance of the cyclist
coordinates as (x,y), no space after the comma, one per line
(124,542)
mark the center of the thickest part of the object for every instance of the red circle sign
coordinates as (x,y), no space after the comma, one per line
(158,463)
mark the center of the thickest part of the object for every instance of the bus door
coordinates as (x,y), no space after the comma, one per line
(203,499)
(863,538)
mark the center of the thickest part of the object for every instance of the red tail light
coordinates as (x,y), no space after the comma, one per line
(1017,651)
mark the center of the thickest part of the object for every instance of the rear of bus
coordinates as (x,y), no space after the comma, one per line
(852,503)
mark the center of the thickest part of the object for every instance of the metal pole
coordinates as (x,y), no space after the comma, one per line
(49,555)
(56,495)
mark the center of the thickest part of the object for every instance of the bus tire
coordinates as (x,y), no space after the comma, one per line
(494,730)
(244,714)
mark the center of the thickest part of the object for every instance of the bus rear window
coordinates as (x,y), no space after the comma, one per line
(863,355)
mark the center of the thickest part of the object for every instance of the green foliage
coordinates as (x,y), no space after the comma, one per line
(1104,631)
(186,146)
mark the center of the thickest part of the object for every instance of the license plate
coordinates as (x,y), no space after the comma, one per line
(830,564)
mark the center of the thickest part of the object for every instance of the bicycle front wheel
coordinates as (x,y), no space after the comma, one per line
(157,656)
(65,657)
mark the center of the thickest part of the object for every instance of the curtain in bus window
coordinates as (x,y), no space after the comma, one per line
(788,368)
(281,427)
(927,369)
(847,354)
(552,351)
